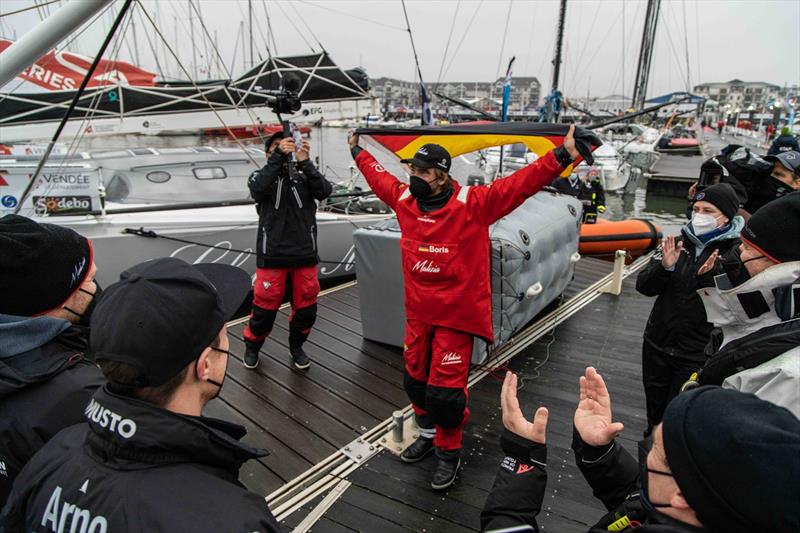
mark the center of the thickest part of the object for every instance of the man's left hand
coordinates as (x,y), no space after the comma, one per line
(514,420)
(569,143)
(303,151)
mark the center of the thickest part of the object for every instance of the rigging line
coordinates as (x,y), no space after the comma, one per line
(503,43)
(150,43)
(532,32)
(196,88)
(270,33)
(250,35)
(672,47)
(586,42)
(250,113)
(34,179)
(447,46)
(372,21)
(24,9)
(64,47)
(697,37)
(296,29)
(411,36)
(208,36)
(460,42)
(303,20)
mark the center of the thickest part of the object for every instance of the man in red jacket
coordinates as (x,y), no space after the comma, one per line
(445,255)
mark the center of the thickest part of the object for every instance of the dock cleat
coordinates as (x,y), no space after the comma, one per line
(299,358)
(417,450)
(446,470)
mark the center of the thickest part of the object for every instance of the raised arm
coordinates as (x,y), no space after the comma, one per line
(518,491)
(496,200)
(386,186)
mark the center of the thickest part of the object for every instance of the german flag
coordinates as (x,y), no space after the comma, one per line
(467,137)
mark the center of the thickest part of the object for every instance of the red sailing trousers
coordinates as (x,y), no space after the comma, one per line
(437,363)
(268,292)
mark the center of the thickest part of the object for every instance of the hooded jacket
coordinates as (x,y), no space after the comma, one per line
(285,201)
(135,467)
(445,252)
(677,324)
(760,317)
(45,383)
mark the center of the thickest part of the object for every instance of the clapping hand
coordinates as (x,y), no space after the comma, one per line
(709,263)
(514,420)
(670,252)
(593,415)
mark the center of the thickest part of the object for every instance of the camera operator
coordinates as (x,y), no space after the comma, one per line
(286,192)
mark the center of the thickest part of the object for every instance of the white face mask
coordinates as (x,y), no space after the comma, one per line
(702,223)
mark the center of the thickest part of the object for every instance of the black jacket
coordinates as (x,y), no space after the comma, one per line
(518,491)
(677,324)
(137,468)
(590,193)
(42,391)
(287,223)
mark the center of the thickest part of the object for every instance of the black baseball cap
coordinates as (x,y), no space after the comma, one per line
(163,313)
(790,160)
(430,156)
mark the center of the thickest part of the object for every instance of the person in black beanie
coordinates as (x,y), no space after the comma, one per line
(752,300)
(722,461)
(677,330)
(48,293)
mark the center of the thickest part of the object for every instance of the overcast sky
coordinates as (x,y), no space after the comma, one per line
(754,40)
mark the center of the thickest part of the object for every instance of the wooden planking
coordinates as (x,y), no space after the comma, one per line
(353,384)
(605,334)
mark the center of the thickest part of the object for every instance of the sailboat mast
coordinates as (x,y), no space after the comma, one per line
(250,31)
(646,53)
(562,14)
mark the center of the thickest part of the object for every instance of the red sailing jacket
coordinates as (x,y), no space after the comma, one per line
(445,253)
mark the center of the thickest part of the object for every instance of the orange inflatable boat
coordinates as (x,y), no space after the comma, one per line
(605,237)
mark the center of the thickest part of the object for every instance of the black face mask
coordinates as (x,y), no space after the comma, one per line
(87,313)
(644,473)
(775,188)
(420,189)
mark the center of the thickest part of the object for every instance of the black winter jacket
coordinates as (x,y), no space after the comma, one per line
(134,467)
(518,491)
(42,391)
(286,203)
(677,324)
(590,193)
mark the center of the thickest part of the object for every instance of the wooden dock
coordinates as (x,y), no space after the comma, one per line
(354,385)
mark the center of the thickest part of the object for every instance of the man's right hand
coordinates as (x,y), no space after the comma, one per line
(593,415)
(287,146)
(670,252)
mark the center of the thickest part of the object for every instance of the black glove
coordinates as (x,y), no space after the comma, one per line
(584,141)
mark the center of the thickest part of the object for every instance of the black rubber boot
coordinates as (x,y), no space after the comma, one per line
(417,451)
(299,358)
(446,470)
(251,354)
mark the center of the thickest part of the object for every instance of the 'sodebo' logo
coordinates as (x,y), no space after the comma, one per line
(60,204)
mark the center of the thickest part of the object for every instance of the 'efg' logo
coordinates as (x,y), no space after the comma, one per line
(108,419)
